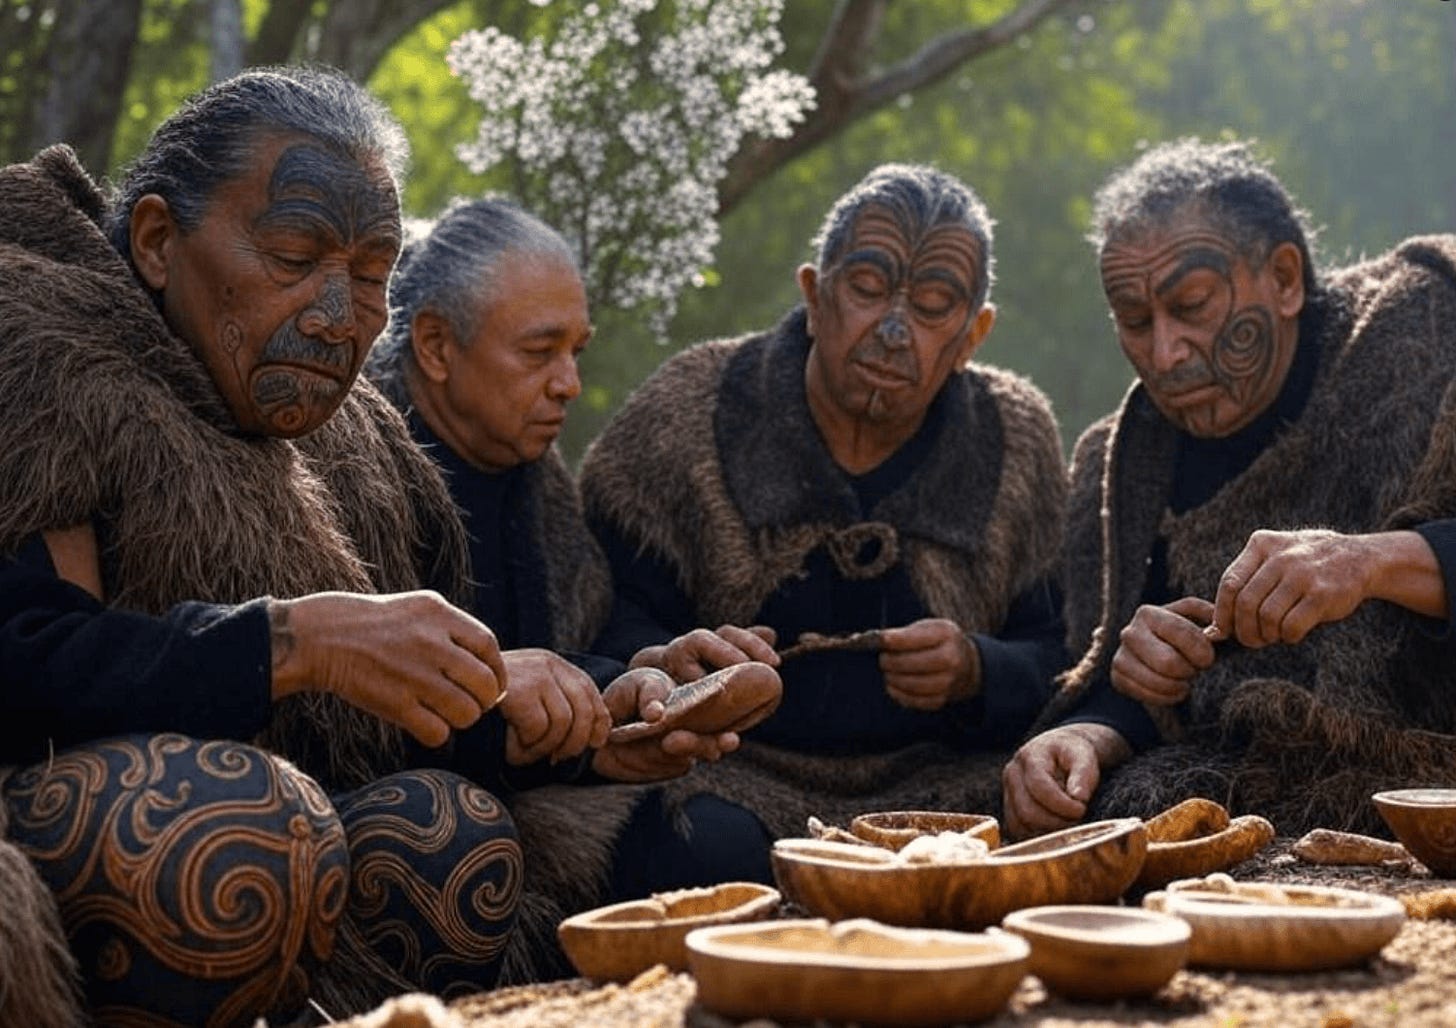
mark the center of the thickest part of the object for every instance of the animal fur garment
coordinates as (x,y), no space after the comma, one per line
(715,466)
(578,583)
(1302,734)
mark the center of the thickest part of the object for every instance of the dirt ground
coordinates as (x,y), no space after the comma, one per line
(1411,984)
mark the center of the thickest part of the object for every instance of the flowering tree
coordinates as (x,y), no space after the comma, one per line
(617,126)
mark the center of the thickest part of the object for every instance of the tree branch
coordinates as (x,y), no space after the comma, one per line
(844,95)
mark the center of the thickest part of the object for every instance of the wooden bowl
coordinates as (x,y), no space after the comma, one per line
(1424,820)
(618,942)
(892,829)
(1260,926)
(1092,863)
(858,971)
(1102,953)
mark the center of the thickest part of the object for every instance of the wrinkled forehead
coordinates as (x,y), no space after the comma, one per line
(908,246)
(301,184)
(1162,253)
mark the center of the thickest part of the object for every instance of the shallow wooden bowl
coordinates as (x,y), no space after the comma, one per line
(1092,863)
(892,829)
(1260,926)
(619,942)
(858,971)
(1102,953)
(1424,820)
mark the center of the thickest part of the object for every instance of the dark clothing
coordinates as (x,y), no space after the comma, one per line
(72,670)
(718,502)
(1301,734)
(509,570)
(1202,467)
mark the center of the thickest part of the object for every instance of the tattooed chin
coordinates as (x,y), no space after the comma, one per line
(291,400)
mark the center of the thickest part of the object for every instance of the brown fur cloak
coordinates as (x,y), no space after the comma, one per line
(1302,734)
(111,419)
(715,465)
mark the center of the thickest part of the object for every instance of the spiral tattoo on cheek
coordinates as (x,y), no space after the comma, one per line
(1243,352)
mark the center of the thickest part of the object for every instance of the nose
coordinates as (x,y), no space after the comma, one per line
(565,382)
(1169,347)
(330,315)
(893,331)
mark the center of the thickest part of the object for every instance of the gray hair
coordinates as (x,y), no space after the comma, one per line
(210,140)
(453,270)
(926,198)
(1225,184)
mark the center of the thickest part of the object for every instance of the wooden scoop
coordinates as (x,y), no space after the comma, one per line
(730,700)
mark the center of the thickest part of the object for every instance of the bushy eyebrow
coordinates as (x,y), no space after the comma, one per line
(1196,259)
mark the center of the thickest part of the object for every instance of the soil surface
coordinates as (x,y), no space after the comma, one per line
(1410,984)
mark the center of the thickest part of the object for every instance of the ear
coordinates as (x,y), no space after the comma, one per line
(1288,268)
(432,341)
(152,234)
(808,277)
(980,328)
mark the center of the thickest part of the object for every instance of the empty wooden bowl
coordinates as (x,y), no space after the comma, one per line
(858,971)
(1424,820)
(1260,926)
(1102,953)
(618,942)
(1092,863)
(894,828)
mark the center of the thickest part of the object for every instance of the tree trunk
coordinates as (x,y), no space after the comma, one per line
(356,34)
(85,69)
(227,39)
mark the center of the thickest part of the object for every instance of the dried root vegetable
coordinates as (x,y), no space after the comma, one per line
(1326,846)
(813,642)
(1195,838)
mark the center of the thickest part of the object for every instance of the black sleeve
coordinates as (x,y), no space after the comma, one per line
(1019,663)
(1441,537)
(648,608)
(1104,705)
(73,670)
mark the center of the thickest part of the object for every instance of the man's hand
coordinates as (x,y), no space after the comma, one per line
(694,654)
(1161,649)
(1049,782)
(552,709)
(929,663)
(1284,584)
(641,694)
(409,658)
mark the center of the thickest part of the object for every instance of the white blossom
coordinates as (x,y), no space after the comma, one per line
(620,123)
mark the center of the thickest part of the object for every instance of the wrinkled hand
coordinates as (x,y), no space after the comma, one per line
(694,654)
(1161,650)
(1050,780)
(929,663)
(1283,584)
(408,658)
(641,694)
(552,709)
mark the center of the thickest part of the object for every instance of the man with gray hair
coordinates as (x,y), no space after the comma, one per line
(212,558)
(849,486)
(1254,552)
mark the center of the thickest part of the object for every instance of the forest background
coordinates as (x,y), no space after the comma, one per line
(1033,102)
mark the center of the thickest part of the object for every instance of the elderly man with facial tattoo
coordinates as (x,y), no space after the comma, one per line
(218,550)
(851,475)
(1257,566)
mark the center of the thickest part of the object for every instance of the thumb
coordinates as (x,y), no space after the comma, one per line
(1082,781)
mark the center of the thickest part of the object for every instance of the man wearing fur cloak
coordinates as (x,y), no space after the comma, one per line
(488,317)
(1254,576)
(849,472)
(207,537)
